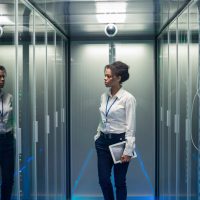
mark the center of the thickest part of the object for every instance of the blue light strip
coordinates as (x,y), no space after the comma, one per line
(85,164)
(28,160)
(86,161)
(89,156)
(144,171)
(100,198)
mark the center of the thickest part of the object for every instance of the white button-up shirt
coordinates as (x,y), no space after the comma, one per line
(118,115)
(6,112)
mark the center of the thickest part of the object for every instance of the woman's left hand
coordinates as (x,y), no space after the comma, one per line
(125,158)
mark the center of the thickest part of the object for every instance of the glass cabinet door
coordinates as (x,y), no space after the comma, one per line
(39,121)
(193,155)
(180,151)
(183,68)
(35,66)
(25,80)
(51,81)
(59,118)
(163,68)
(8,59)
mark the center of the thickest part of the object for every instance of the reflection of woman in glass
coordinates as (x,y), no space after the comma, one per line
(6,140)
(117,124)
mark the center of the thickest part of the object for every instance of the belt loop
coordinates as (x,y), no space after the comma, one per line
(109,136)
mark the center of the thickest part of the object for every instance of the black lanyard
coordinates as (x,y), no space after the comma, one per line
(108,109)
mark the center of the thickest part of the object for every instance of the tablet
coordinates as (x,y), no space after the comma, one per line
(117,150)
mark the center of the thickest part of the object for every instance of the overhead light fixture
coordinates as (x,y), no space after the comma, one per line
(4,20)
(111,12)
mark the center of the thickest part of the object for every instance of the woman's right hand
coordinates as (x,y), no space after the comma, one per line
(125,158)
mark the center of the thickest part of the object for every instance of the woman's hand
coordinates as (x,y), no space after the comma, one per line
(125,158)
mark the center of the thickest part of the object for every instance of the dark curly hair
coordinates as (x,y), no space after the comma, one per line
(2,68)
(119,68)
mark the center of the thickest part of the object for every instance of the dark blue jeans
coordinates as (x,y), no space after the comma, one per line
(7,165)
(105,165)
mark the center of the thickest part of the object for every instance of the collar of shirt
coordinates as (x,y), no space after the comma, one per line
(118,94)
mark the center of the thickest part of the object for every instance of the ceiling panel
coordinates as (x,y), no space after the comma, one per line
(82,17)
(79,18)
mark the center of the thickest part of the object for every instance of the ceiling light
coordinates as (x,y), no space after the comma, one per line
(4,20)
(112,12)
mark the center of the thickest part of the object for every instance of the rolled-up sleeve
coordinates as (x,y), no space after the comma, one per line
(130,126)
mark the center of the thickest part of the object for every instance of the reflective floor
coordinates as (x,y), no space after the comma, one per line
(101,198)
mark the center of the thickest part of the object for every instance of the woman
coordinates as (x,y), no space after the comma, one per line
(117,124)
(6,140)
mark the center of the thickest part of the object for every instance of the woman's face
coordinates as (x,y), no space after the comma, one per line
(2,78)
(110,79)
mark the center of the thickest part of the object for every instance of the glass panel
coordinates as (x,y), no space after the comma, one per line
(52,137)
(163,112)
(9,61)
(172,108)
(183,76)
(35,174)
(32,94)
(160,110)
(54,10)
(40,77)
(168,9)
(193,155)
(59,121)
(168,77)
(165,103)
(41,4)
(65,112)
(25,55)
(183,149)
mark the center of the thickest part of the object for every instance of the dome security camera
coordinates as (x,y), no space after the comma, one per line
(110,30)
(1,31)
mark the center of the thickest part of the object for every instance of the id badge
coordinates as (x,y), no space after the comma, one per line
(106,125)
